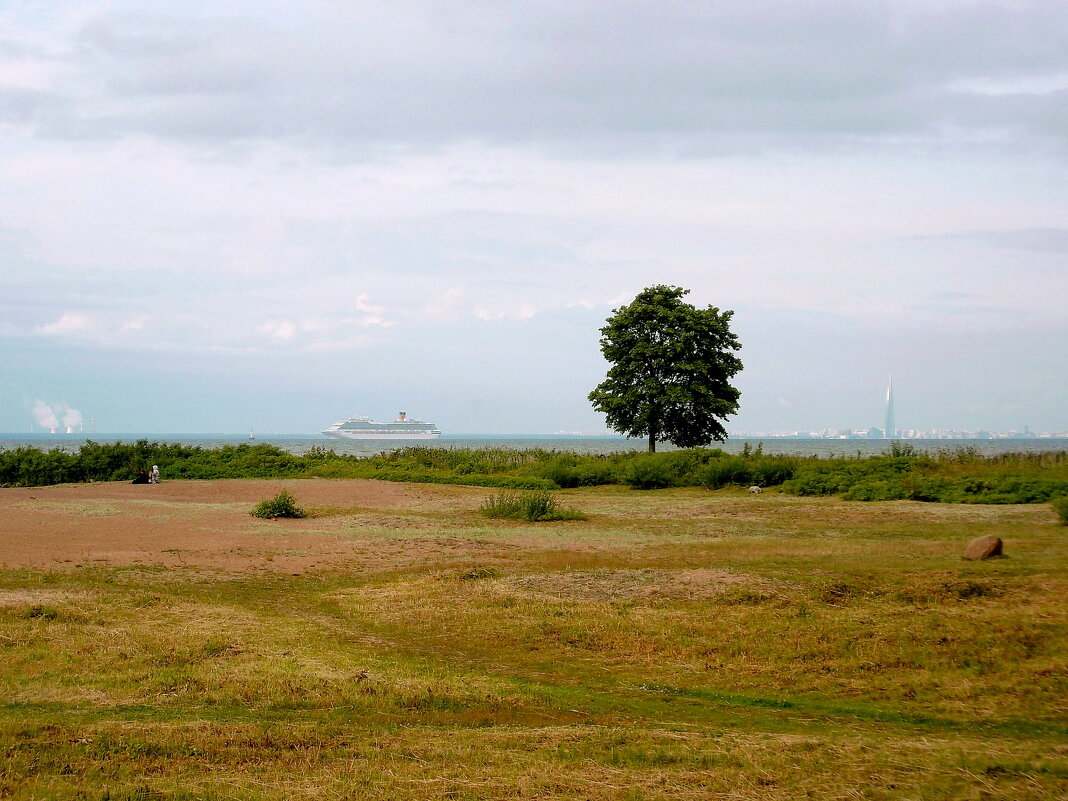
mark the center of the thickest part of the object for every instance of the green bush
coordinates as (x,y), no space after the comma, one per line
(920,478)
(728,470)
(572,471)
(876,490)
(281,505)
(537,506)
(510,482)
(651,471)
(1060,506)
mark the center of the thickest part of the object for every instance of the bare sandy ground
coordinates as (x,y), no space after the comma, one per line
(371,525)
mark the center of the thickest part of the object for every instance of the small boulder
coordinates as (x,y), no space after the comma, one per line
(983,548)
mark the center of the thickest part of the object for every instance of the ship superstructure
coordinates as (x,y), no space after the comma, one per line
(366,428)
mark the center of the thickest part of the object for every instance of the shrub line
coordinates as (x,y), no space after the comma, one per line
(902,473)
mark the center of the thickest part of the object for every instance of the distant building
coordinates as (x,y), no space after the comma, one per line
(890,426)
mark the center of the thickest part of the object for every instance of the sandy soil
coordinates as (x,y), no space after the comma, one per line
(206,524)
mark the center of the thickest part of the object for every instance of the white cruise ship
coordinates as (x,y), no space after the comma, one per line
(366,428)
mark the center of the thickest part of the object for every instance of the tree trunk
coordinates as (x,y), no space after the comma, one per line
(652,441)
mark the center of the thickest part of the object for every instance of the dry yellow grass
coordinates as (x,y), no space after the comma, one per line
(679,644)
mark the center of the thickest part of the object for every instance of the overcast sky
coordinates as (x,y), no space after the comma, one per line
(274,214)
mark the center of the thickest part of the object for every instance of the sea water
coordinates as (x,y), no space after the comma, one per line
(301,443)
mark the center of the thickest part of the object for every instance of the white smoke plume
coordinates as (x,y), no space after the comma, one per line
(43,414)
(48,415)
(71,417)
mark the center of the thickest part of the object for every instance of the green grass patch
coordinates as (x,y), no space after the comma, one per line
(281,505)
(534,507)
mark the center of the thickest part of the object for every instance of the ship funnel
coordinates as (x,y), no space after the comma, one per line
(402,416)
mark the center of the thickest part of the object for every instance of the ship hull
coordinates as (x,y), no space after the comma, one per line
(361,435)
(402,428)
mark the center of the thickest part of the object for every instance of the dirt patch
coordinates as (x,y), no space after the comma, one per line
(206,525)
(643,584)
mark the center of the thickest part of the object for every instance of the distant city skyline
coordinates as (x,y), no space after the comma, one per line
(911,433)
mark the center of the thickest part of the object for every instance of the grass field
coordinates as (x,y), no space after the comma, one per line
(678,644)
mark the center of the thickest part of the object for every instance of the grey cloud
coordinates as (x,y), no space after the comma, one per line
(21,106)
(1042,240)
(680,76)
(1050,240)
(148,37)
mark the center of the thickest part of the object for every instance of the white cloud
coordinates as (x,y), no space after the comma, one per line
(449,305)
(373,321)
(67,324)
(362,304)
(1037,84)
(134,324)
(581,304)
(338,345)
(279,331)
(523,311)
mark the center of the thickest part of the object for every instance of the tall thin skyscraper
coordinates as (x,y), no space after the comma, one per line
(890,408)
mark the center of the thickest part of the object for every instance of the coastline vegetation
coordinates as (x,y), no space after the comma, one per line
(902,473)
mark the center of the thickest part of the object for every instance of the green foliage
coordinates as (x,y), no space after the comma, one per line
(903,473)
(119,461)
(534,507)
(706,467)
(462,461)
(1060,506)
(662,470)
(318,453)
(569,471)
(898,449)
(281,505)
(671,366)
(651,471)
(948,478)
(755,469)
(471,480)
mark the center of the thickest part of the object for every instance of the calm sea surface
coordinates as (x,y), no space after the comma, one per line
(300,443)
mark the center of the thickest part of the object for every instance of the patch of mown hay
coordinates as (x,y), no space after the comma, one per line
(639,584)
(18,598)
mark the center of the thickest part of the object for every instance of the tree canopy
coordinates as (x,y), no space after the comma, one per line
(671,366)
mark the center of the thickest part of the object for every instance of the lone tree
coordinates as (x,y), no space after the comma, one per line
(671,368)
